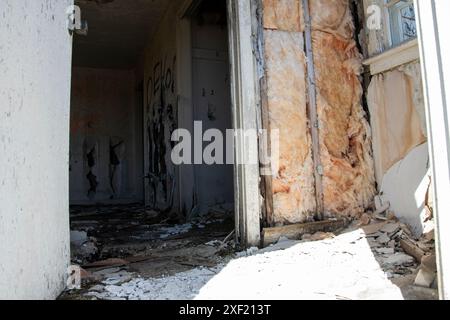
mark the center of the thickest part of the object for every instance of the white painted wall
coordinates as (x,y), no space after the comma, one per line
(405,186)
(433,26)
(35,63)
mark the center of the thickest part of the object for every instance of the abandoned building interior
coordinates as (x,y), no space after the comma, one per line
(345,99)
(124,187)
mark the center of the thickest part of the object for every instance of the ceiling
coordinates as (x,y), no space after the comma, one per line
(118,31)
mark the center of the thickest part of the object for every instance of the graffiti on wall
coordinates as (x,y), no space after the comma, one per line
(161,122)
(116,156)
(90,148)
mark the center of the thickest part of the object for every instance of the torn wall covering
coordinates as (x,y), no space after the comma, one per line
(397,117)
(397,112)
(345,137)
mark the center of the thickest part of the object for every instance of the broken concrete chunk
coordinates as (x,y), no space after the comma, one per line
(398,259)
(78,238)
(385,250)
(425,278)
(392,244)
(118,278)
(383,239)
(105,272)
(390,228)
(97,288)
(373,228)
(373,243)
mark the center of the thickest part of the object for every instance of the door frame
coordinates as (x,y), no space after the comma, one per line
(244,104)
(434,45)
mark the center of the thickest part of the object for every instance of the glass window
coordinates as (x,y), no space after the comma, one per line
(402,21)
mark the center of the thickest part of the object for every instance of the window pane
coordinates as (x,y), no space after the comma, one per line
(408,22)
(403,23)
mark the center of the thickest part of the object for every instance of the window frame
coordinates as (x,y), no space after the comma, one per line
(395,35)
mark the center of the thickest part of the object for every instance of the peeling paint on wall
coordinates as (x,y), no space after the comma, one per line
(396,121)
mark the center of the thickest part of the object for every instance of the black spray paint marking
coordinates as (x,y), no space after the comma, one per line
(160,116)
(92,178)
(114,162)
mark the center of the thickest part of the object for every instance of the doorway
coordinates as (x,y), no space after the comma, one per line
(127,196)
(212,102)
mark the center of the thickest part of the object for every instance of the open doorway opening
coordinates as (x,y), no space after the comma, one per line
(212,101)
(128,207)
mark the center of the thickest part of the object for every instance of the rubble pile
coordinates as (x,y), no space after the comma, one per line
(83,248)
(398,251)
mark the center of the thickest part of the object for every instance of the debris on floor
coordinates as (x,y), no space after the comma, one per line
(269,274)
(141,256)
(111,243)
(401,254)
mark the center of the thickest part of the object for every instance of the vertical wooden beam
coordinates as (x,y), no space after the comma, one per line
(263,119)
(312,108)
(244,109)
(266,148)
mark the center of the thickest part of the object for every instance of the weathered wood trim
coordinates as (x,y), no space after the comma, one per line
(312,111)
(296,231)
(394,57)
(433,25)
(264,144)
(244,109)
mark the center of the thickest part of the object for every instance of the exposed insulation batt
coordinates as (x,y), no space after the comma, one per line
(345,135)
(345,138)
(293,187)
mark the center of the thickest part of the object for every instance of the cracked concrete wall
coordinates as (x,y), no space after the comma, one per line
(345,137)
(35,67)
(106,145)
